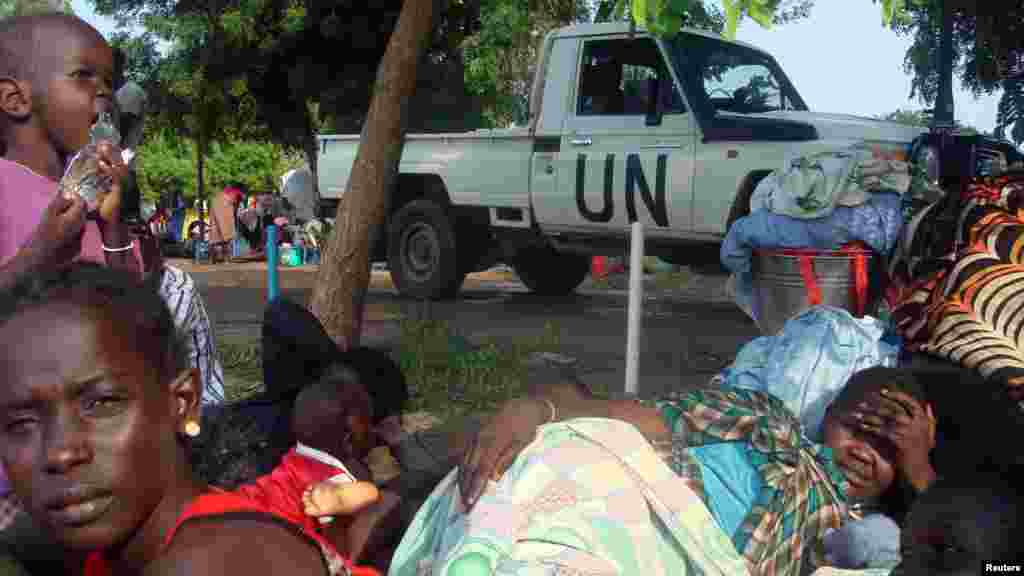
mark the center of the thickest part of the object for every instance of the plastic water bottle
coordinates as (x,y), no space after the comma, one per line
(82,177)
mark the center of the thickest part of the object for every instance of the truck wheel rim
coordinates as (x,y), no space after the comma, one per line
(420,251)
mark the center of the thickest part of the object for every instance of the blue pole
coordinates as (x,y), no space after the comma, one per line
(272,263)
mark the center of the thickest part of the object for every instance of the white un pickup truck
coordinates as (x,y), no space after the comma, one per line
(623,127)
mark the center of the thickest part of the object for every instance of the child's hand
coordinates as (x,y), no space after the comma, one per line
(333,499)
(57,239)
(112,167)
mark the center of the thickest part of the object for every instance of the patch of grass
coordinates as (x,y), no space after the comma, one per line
(449,377)
(243,369)
(665,281)
(601,283)
(671,280)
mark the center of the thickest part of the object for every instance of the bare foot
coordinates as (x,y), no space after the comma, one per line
(331,499)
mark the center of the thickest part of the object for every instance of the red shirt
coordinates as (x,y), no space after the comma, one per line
(277,495)
(220,503)
(281,490)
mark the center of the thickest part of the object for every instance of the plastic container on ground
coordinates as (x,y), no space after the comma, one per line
(789,281)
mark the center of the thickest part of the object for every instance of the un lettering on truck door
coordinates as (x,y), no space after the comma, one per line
(627,144)
(636,182)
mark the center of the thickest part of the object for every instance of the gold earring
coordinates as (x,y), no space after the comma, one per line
(192,428)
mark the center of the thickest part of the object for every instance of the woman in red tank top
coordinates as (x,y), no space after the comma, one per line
(97,406)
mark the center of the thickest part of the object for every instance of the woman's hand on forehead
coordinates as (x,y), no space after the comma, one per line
(908,425)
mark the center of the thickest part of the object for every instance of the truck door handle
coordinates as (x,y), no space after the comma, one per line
(662,146)
(582,141)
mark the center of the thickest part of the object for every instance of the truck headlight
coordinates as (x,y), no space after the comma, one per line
(928,158)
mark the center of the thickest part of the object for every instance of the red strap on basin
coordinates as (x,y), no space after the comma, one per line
(810,280)
(858,252)
(859,290)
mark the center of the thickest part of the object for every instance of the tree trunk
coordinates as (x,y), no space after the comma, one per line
(344,275)
(944,101)
(200,165)
(309,147)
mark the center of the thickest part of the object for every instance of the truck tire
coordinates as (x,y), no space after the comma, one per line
(422,256)
(547,272)
(741,204)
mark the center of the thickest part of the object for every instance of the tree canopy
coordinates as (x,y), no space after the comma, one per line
(667,16)
(986,40)
(23,7)
(284,70)
(920,118)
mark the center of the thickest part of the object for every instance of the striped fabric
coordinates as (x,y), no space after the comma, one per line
(970,308)
(804,493)
(178,291)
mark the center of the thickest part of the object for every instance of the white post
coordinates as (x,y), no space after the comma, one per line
(636,298)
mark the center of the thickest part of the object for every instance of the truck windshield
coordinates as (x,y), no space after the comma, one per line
(731,78)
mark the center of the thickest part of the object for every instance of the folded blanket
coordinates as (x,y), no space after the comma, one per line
(588,496)
(813,186)
(810,360)
(877,223)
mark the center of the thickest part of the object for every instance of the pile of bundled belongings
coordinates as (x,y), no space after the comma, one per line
(946,278)
(851,198)
(945,294)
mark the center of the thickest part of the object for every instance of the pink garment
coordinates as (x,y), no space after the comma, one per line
(233,195)
(24,196)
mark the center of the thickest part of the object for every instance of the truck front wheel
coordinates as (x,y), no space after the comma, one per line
(421,252)
(545,271)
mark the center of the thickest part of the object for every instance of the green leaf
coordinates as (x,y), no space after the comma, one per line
(620,10)
(760,12)
(639,12)
(887,12)
(732,17)
(671,23)
(893,11)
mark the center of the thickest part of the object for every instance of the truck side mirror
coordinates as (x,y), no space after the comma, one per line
(653,117)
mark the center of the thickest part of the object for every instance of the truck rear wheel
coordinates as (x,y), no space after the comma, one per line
(741,204)
(548,272)
(421,252)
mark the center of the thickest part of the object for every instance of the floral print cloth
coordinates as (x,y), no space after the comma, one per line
(587,497)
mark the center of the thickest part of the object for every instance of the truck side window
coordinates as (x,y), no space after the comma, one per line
(615,79)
